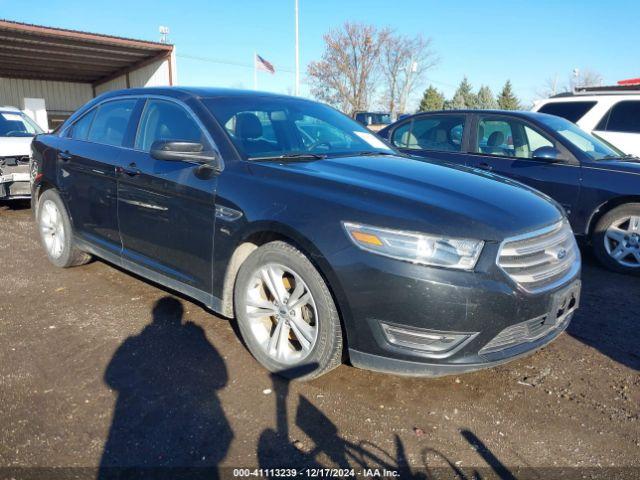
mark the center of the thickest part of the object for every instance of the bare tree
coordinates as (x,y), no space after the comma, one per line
(584,77)
(404,63)
(578,78)
(345,75)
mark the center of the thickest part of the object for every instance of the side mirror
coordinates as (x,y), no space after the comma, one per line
(177,151)
(551,154)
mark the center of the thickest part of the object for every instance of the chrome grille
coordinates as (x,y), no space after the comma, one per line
(541,259)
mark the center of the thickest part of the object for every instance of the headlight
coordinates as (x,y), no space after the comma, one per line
(414,247)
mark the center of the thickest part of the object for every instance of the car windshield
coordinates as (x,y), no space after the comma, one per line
(594,147)
(264,127)
(17,124)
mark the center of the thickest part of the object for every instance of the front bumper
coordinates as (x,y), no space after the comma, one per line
(15,182)
(484,303)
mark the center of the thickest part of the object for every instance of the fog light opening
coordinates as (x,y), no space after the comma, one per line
(433,342)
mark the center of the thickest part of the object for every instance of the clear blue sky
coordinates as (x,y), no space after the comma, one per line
(489,41)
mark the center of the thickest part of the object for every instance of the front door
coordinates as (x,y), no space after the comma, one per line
(166,209)
(507,146)
(87,156)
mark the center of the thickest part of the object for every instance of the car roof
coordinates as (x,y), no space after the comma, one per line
(7,108)
(514,113)
(199,92)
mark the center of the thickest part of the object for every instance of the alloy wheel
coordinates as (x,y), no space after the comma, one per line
(282,313)
(622,241)
(52,228)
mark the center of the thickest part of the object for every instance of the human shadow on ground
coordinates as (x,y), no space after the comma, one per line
(167,421)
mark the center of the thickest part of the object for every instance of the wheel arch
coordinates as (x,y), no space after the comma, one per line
(259,234)
(605,208)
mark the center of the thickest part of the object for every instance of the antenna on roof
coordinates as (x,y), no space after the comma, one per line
(164,34)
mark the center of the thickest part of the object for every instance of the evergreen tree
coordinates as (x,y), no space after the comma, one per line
(432,99)
(486,100)
(464,96)
(507,99)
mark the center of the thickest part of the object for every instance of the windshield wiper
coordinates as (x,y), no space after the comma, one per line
(291,156)
(371,153)
(626,156)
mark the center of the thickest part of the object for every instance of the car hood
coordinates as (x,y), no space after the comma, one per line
(14,146)
(418,195)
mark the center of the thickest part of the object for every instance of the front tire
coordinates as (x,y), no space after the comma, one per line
(286,314)
(56,232)
(616,239)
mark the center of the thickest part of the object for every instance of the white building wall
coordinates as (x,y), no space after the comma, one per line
(66,97)
(58,96)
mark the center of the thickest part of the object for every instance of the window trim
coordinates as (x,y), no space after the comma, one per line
(138,97)
(463,142)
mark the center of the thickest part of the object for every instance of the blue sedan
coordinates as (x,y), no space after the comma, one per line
(598,185)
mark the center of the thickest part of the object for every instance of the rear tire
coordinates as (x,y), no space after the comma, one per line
(56,233)
(295,332)
(616,239)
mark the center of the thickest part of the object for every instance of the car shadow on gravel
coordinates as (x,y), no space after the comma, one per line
(608,319)
(14,205)
(168,421)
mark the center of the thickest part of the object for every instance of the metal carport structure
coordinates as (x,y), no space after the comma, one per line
(65,68)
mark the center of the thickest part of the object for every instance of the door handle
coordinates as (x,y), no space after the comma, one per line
(485,166)
(131,170)
(64,156)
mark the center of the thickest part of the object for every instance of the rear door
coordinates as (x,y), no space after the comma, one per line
(437,137)
(621,126)
(506,145)
(88,155)
(166,209)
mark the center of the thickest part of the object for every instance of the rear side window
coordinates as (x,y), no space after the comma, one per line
(111,121)
(623,117)
(437,133)
(572,111)
(164,120)
(80,129)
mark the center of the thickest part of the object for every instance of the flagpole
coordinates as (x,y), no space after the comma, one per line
(255,72)
(297,88)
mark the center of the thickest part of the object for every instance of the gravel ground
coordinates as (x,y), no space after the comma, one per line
(101,368)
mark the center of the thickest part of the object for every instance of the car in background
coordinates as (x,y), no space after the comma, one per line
(16,133)
(374,121)
(597,184)
(323,242)
(610,113)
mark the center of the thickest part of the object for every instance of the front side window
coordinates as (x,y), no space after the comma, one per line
(572,111)
(80,129)
(509,138)
(17,124)
(623,117)
(266,127)
(164,120)
(111,121)
(438,133)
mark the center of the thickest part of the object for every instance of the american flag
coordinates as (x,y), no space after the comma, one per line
(262,64)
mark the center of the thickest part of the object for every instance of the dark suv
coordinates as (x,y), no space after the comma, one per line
(597,184)
(321,240)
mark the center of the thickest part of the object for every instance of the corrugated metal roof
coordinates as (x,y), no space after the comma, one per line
(46,53)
